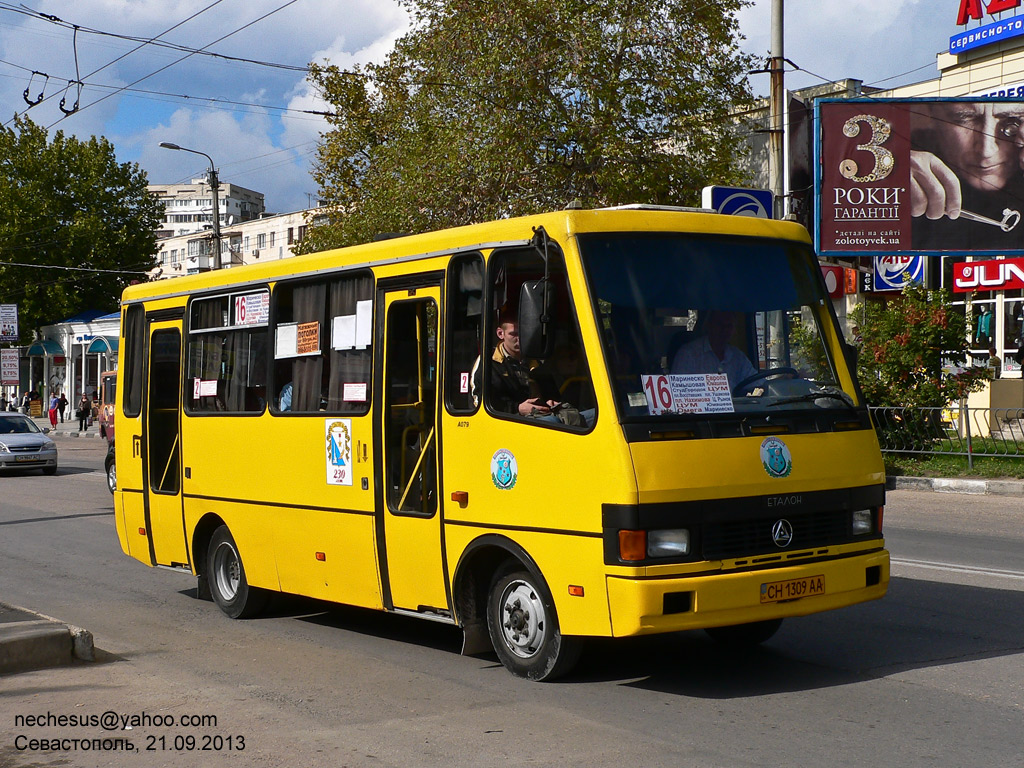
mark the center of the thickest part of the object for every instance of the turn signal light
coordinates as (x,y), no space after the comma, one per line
(575,590)
(142,531)
(321,556)
(632,545)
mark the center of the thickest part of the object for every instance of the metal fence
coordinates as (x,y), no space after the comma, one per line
(953,431)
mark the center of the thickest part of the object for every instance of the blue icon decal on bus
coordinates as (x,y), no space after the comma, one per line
(775,457)
(504,470)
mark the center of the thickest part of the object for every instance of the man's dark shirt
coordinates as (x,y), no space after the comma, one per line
(511,382)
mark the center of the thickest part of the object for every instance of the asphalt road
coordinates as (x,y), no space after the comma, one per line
(933,675)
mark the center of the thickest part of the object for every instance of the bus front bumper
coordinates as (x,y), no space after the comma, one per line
(641,606)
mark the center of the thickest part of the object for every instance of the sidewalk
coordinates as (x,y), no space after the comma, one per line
(68,428)
(29,640)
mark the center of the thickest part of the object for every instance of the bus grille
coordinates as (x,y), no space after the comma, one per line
(741,538)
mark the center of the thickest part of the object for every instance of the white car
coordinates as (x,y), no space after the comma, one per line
(23,445)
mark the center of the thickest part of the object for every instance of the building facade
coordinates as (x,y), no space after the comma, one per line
(188,208)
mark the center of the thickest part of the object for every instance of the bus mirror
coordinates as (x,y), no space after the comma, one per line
(536,332)
(852,353)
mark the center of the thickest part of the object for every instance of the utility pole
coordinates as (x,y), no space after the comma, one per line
(214,187)
(777,103)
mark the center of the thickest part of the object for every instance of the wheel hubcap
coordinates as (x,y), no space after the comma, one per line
(227,571)
(523,623)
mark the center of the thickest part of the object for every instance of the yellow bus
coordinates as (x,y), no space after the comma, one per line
(588,423)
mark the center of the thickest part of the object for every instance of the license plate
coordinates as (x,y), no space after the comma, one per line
(26,458)
(793,589)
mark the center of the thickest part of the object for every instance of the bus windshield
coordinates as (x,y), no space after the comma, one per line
(704,326)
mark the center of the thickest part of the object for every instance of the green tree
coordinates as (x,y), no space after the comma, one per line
(69,203)
(489,109)
(905,346)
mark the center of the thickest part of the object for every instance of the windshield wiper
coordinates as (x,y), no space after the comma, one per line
(831,394)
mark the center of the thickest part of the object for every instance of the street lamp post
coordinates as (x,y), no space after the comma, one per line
(214,186)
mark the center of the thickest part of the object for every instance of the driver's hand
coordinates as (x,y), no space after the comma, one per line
(534,407)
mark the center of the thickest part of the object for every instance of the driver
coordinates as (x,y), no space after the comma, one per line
(712,353)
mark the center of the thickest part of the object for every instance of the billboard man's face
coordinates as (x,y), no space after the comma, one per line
(981,141)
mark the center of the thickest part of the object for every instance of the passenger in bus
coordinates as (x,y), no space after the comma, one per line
(713,352)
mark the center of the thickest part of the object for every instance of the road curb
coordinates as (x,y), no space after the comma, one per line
(31,640)
(956,485)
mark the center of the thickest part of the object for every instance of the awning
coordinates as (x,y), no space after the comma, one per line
(101,344)
(45,348)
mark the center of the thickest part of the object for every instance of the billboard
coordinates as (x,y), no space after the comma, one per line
(8,322)
(920,176)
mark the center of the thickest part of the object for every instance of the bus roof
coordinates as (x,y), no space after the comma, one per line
(504,232)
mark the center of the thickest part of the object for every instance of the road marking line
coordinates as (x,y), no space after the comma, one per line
(952,568)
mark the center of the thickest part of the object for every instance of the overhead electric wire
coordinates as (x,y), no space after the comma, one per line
(186,56)
(119,58)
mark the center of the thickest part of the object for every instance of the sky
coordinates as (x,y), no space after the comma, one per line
(254,119)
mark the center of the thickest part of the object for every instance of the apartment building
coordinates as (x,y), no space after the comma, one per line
(188,208)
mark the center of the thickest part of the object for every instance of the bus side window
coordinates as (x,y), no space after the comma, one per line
(227,353)
(323,345)
(465,315)
(510,381)
(134,359)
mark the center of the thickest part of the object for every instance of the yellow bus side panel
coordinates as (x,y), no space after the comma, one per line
(250,526)
(348,572)
(586,615)
(723,599)
(274,470)
(133,519)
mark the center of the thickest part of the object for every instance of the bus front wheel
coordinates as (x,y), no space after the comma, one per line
(226,577)
(524,628)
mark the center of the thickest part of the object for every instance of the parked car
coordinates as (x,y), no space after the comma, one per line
(111,468)
(23,445)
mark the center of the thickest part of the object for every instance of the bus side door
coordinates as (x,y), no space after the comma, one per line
(409,512)
(162,445)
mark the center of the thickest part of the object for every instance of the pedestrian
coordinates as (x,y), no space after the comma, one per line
(62,406)
(84,408)
(52,410)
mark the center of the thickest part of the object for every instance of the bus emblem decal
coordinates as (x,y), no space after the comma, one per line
(775,458)
(339,451)
(782,533)
(504,470)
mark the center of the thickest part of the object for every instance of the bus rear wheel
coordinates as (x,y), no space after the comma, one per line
(524,628)
(226,577)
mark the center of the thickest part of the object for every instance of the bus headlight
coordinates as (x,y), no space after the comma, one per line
(672,542)
(861,522)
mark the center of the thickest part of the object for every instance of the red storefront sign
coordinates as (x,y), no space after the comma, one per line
(999,275)
(972,9)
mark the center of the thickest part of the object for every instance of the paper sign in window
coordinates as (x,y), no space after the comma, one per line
(687,393)
(364,323)
(343,334)
(354,392)
(307,338)
(286,340)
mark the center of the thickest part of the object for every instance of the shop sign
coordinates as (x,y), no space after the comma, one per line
(834,281)
(994,32)
(9,367)
(1002,275)
(893,273)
